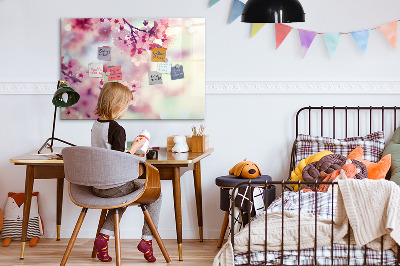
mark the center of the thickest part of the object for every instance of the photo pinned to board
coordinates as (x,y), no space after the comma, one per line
(155,78)
(177,72)
(164,67)
(115,73)
(95,70)
(158,54)
(104,53)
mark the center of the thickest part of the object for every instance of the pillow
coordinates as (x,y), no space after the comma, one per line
(375,170)
(372,144)
(393,148)
(296,174)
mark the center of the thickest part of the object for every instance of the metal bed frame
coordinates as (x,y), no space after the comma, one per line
(283,184)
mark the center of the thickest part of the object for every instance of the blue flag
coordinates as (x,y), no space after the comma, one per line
(361,38)
(237,9)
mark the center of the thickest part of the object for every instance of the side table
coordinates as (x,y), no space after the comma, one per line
(226,183)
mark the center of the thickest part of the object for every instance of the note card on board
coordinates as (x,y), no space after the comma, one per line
(104,53)
(164,67)
(155,78)
(115,73)
(177,72)
(158,54)
(95,70)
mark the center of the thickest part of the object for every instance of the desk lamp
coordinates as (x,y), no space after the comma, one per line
(273,11)
(64,96)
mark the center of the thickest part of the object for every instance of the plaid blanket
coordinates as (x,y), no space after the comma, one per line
(323,205)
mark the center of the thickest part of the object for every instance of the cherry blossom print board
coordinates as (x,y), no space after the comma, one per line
(141,54)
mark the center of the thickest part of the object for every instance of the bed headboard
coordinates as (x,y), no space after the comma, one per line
(344,121)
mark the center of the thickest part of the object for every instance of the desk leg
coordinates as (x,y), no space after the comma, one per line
(176,182)
(60,190)
(27,206)
(197,189)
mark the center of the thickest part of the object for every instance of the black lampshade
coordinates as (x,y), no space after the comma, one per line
(73,96)
(273,11)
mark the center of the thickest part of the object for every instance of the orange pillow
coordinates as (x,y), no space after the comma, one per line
(375,170)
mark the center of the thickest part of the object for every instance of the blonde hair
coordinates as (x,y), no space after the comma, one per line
(113,97)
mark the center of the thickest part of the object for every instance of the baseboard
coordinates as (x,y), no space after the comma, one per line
(247,87)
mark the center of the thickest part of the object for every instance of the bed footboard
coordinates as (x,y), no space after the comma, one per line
(312,259)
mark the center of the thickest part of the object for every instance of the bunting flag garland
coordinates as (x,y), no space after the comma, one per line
(389,30)
(255,28)
(237,8)
(306,39)
(281,31)
(213,2)
(332,41)
(361,37)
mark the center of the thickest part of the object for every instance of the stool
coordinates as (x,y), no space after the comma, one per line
(226,183)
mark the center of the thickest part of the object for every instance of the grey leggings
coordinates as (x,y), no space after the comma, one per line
(154,208)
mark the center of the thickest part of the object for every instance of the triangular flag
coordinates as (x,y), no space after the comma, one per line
(306,39)
(213,2)
(390,32)
(255,28)
(237,9)
(361,37)
(281,31)
(332,41)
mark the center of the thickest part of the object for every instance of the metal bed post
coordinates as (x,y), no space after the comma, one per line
(298,239)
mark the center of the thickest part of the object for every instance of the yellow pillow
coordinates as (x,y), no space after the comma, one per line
(296,174)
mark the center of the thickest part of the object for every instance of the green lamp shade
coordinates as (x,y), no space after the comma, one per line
(62,101)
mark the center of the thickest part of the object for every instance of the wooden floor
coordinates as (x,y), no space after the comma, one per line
(50,252)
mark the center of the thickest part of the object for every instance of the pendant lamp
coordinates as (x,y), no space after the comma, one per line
(272,11)
(63,97)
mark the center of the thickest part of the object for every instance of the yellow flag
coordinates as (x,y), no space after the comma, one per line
(255,28)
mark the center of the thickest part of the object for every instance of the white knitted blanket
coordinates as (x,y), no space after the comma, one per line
(373,209)
(371,206)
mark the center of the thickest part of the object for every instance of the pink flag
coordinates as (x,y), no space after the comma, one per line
(281,31)
(306,39)
(389,30)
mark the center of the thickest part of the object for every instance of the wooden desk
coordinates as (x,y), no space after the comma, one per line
(171,167)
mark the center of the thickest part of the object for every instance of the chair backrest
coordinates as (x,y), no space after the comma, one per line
(92,166)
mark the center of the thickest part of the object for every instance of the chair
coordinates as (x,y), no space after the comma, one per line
(85,167)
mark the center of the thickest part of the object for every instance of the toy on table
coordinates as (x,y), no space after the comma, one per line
(245,169)
(180,144)
(13,215)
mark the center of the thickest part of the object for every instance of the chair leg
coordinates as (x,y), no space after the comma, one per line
(154,230)
(73,237)
(117,239)
(101,222)
(223,229)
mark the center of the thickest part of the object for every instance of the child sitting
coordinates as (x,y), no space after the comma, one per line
(113,102)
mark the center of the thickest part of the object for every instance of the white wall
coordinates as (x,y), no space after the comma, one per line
(259,127)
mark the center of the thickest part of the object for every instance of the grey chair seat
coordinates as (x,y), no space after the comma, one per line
(83,196)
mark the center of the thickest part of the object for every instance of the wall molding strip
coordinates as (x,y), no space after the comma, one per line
(250,87)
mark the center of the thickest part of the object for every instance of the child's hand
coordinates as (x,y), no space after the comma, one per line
(137,144)
(143,155)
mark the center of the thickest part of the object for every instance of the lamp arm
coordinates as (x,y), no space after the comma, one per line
(54,126)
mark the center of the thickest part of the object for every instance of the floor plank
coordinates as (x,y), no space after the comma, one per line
(50,252)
